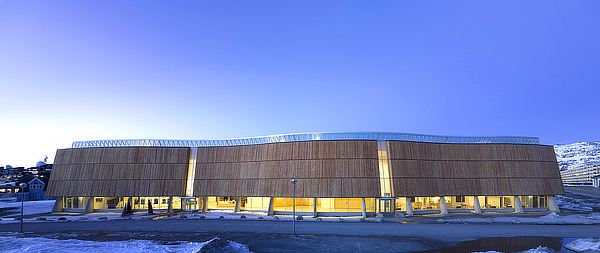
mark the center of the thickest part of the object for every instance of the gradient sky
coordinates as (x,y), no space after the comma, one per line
(88,70)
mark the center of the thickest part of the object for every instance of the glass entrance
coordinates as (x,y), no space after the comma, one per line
(189,203)
(387,205)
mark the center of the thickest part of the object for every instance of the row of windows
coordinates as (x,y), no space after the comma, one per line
(309,204)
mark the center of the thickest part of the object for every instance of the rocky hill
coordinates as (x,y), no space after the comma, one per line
(575,155)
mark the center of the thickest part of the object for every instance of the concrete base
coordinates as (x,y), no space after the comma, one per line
(476,205)
(89,206)
(271,206)
(409,209)
(205,204)
(518,205)
(552,205)
(443,207)
(315,207)
(58,205)
(364,208)
(238,204)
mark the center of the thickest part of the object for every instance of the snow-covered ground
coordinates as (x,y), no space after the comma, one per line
(29,207)
(13,243)
(576,155)
(539,249)
(576,204)
(584,245)
(43,208)
(588,245)
(549,219)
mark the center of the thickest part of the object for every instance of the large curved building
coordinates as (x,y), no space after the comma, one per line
(337,174)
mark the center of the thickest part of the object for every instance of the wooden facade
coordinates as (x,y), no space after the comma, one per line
(119,172)
(328,169)
(434,169)
(324,169)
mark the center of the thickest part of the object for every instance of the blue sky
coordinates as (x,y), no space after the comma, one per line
(87,70)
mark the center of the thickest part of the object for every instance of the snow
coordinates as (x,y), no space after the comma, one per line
(549,219)
(576,155)
(539,249)
(575,204)
(584,245)
(29,207)
(12,243)
(44,208)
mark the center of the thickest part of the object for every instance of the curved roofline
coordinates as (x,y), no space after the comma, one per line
(306,137)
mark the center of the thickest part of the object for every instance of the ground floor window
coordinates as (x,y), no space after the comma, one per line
(426,203)
(137,202)
(221,202)
(309,204)
(534,201)
(74,203)
(255,203)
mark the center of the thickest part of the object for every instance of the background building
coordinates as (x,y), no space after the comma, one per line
(584,176)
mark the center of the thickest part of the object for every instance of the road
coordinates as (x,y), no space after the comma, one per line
(274,236)
(589,192)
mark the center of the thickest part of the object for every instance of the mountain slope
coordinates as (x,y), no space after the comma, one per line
(575,155)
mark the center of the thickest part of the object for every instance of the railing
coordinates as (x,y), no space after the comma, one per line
(304,137)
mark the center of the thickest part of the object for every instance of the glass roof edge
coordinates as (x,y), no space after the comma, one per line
(308,137)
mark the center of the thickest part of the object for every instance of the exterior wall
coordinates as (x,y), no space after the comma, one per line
(119,172)
(324,169)
(331,169)
(434,169)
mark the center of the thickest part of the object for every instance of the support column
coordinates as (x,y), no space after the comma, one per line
(552,205)
(315,208)
(89,205)
(518,205)
(58,205)
(364,209)
(443,207)
(238,204)
(127,209)
(204,204)
(476,205)
(170,205)
(271,206)
(409,210)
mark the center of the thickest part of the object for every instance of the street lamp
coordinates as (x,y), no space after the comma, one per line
(294,206)
(22,185)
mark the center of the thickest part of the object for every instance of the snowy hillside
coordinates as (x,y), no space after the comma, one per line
(580,154)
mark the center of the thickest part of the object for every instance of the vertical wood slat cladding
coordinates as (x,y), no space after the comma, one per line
(323,169)
(433,169)
(119,172)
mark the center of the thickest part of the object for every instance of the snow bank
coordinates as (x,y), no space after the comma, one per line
(584,245)
(575,204)
(37,244)
(539,249)
(30,207)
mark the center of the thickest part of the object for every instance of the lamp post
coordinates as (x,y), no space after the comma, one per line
(294,206)
(22,185)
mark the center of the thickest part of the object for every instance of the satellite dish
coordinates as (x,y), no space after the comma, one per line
(9,167)
(40,164)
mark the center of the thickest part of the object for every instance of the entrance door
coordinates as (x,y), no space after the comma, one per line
(387,206)
(189,204)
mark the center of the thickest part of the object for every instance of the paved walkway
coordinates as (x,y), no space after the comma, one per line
(589,192)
